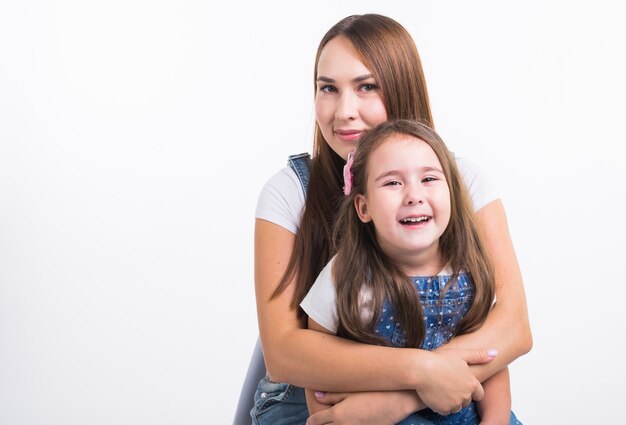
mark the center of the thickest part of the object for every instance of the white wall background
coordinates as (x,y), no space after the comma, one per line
(135,136)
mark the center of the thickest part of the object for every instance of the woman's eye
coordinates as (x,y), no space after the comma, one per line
(369,87)
(328,88)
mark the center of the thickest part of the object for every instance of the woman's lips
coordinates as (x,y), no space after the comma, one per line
(348,135)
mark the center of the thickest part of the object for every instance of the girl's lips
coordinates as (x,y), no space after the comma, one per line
(415,221)
(348,135)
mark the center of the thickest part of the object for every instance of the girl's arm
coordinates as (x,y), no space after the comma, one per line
(495,408)
(312,359)
(375,408)
(367,408)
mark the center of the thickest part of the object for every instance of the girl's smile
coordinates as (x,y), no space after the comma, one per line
(415,221)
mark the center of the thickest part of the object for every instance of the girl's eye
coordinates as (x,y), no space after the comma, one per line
(327,88)
(429,179)
(392,183)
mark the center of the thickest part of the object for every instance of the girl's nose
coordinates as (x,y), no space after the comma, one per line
(413,195)
(347,107)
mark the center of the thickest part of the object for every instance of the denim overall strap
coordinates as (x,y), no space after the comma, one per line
(301,164)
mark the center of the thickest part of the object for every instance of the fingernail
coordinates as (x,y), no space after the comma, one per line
(492,353)
(319,394)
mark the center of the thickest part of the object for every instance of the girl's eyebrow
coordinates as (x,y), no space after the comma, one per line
(358,79)
(428,168)
(425,169)
(387,174)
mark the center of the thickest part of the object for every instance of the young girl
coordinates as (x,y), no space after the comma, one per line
(411,269)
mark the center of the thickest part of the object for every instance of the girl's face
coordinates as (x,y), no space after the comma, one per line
(408,199)
(348,101)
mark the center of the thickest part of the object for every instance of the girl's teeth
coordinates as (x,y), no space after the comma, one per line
(414,219)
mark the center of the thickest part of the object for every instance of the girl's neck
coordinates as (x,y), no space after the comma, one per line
(423,264)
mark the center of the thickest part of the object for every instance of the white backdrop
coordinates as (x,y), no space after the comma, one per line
(135,137)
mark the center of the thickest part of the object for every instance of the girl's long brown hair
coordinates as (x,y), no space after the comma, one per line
(388,51)
(361,264)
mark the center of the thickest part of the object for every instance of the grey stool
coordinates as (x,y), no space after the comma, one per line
(256,371)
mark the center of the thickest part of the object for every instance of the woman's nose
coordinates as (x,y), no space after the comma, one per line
(347,107)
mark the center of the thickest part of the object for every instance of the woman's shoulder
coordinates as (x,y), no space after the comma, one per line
(467,166)
(284,179)
(281,200)
(480,184)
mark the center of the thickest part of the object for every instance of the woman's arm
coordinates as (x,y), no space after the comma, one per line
(507,328)
(312,359)
(313,404)
(376,408)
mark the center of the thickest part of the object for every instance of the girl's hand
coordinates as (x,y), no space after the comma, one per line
(366,408)
(448,384)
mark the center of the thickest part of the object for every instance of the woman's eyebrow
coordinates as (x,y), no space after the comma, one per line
(325,79)
(362,78)
(354,80)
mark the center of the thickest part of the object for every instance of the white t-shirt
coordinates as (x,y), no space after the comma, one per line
(320,302)
(282,200)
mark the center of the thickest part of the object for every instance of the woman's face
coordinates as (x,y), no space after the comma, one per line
(348,101)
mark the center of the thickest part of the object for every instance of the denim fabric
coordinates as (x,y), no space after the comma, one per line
(441,317)
(467,416)
(279,404)
(301,164)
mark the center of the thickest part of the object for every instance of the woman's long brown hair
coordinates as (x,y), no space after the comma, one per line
(388,51)
(360,264)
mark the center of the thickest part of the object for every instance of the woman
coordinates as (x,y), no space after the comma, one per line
(367,71)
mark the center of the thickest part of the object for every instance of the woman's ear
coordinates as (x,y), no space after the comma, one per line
(360,205)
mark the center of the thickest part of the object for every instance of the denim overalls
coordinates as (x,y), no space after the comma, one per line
(441,319)
(285,404)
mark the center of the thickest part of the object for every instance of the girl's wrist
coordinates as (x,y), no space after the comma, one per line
(495,419)
(418,369)
(409,402)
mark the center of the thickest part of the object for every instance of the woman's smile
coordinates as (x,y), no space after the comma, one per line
(349,135)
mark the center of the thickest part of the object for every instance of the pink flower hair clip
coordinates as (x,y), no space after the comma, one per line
(347,174)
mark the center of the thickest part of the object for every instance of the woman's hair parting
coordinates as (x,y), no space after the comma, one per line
(388,51)
(361,265)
